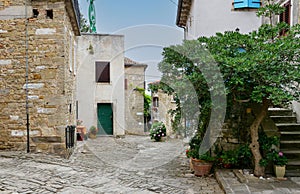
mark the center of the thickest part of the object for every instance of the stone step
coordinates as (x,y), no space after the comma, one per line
(291,151)
(290,141)
(294,162)
(290,132)
(289,135)
(284,119)
(288,126)
(292,172)
(47,139)
(290,144)
(280,112)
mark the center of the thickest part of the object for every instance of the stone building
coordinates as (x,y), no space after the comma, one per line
(206,17)
(100,83)
(134,98)
(162,103)
(37,38)
(108,86)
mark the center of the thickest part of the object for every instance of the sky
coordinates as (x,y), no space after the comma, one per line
(147,25)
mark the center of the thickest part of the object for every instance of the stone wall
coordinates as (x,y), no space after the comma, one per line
(51,80)
(160,113)
(236,129)
(134,109)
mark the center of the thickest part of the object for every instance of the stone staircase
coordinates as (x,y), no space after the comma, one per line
(289,130)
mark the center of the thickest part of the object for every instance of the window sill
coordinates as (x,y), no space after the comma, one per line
(244,9)
(104,83)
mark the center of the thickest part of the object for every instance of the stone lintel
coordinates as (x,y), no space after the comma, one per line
(14,12)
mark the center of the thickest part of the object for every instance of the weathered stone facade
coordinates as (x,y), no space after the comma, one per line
(41,37)
(162,103)
(134,98)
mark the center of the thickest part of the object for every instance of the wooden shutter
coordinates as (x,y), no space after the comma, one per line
(254,3)
(285,16)
(246,4)
(102,72)
(240,4)
(126,84)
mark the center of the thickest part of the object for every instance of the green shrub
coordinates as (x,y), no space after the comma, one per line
(157,131)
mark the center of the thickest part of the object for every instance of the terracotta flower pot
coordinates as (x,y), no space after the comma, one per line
(191,165)
(201,167)
(279,171)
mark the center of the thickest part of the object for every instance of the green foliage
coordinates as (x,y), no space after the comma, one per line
(229,157)
(266,142)
(261,67)
(157,131)
(278,158)
(147,102)
(241,157)
(93,130)
(193,153)
(267,148)
(244,156)
(269,67)
(84,26)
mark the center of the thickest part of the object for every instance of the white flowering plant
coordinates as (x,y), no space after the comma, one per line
(157,131)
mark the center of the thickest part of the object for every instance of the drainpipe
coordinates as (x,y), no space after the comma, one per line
(184,32)
(26,77)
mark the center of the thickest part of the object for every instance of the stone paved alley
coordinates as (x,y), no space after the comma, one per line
(133,164)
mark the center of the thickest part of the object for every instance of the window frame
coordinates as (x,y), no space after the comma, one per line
(99,78)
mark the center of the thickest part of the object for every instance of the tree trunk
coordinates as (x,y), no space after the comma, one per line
(254,146)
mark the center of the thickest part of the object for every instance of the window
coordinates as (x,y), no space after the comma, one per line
(155,102)
(70,53)
(126,84)
(285,16)
(35,13)
(74,59)
(49,14)
(102,72)
(238,4)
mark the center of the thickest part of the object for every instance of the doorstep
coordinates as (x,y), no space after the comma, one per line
(234,181)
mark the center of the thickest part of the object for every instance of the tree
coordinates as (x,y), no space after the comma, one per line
(261,67)
(84,26)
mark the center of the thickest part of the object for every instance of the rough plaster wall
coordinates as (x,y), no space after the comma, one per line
(210,16)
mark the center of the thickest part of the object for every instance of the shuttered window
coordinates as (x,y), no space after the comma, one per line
(286,16)
(238,4)
(102,72)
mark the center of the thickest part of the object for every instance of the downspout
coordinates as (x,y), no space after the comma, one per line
(26,77)
(184,32)
(178,18)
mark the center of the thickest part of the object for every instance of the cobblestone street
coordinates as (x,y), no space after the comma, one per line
(133,164)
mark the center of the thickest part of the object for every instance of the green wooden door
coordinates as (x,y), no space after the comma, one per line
(105,119)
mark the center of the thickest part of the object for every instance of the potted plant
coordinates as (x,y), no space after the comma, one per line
(201,163)
(279,162)
(229,159)
(92,132)
(158,131)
